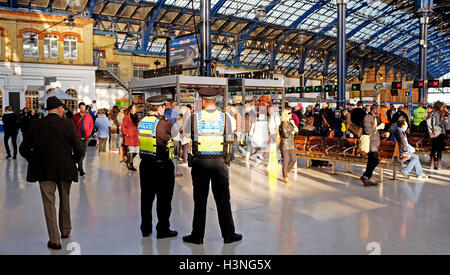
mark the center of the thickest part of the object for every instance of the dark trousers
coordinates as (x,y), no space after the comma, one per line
(216,172)
(289,160)
(157,179)
(13,137)
(372,163)
(84,143)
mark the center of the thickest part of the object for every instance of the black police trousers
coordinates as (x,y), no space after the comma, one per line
(214,170)
(157,179)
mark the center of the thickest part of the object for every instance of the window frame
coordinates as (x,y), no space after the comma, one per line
(26,36)
(140,69)
(70,39)
(51,38)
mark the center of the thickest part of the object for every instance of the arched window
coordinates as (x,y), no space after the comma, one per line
(72,104)
(50,46)
(30,45)
(32,100)
(70,47)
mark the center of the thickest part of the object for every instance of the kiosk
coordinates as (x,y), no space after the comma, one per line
(179,88)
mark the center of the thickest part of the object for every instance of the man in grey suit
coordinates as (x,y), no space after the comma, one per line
(52,148)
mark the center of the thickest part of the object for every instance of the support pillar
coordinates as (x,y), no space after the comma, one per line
(205,38)
(341,64)
(424,11)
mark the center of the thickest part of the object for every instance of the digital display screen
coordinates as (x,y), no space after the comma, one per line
(183,51)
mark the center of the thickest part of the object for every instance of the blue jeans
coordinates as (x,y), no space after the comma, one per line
(413,163)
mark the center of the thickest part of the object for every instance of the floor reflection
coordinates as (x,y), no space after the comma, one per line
(317,213)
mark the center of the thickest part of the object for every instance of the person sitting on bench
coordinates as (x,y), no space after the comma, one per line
(407,152)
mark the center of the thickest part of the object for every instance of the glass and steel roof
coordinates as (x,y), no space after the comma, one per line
(387,29)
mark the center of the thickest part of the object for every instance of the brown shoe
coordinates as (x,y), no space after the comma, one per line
(365,181)
(65,236)
(373,183)
(54,246)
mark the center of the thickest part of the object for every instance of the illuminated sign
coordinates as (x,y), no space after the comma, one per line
(356,87)
(309,89)
(446,83)
(418,84)
(318,89)
(433,83)
(299,90)
(397,85)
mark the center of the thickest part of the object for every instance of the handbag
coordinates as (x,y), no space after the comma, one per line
(434,130)
(364,144)
(329,127)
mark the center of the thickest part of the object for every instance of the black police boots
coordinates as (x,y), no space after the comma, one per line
(192,239)
(168,234)
(233,238)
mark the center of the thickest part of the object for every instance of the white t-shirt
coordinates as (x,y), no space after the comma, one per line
(274,122)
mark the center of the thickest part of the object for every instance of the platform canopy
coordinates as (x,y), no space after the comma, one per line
(262,34)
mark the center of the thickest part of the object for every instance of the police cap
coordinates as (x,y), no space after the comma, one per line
(208,93)
(157,100)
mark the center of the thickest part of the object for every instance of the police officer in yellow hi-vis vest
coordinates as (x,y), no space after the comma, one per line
(211,143)
(419,116)
(156,169)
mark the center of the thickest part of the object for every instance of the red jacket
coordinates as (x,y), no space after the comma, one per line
(88,124)
(296,119)
(130,131)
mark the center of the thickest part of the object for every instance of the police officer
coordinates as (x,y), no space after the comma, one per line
(210,146)
(419,116)
(156,169)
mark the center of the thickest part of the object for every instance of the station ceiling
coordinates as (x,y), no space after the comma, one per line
(379,32)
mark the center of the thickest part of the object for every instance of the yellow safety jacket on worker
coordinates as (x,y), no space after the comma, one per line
(419,114)
(209,134)
(384,117)
(147,137)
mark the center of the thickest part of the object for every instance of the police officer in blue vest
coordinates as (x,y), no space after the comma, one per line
(156,168)
(211,140)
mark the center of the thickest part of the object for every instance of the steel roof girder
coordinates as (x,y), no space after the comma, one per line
(216,8)
(150,23)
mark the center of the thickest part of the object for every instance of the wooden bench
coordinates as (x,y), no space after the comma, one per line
(422,143)
(345,150)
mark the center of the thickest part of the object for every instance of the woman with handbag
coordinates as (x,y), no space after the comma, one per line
(437,135)
(288,130)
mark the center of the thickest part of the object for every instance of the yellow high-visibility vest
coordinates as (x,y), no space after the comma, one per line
(419,114)
(147,137)
(210,133)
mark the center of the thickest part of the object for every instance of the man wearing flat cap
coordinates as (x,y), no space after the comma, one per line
(156,169)
(211,138)
(52,149)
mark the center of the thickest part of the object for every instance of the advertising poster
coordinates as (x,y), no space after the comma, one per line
(183,51)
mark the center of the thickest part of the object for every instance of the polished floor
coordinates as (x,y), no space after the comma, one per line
(317,213)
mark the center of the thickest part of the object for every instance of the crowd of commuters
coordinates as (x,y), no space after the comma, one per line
(255,127)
